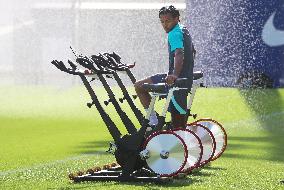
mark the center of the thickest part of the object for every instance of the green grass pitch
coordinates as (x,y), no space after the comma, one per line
(46,133)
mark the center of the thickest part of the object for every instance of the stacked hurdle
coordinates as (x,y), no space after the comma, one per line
(147,153)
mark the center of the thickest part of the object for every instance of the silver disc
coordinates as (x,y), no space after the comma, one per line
(207,140)
(219,134)
(167,153)
(194,148)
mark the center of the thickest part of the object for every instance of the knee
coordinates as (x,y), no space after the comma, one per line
(138,86)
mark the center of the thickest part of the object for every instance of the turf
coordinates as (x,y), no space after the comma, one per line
(45,133)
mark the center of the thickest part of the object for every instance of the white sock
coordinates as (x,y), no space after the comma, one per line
(153,111)
(153,120)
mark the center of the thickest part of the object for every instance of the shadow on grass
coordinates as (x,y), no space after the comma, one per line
(268,106)
(196,177)
(189,180)
(175,183)
(239,156)
(72,187)
(214,168)
(272,147)
(145,185)
(93,147)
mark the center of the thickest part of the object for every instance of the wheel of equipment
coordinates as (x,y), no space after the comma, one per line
(207,140)
(194,148)
(166,153)
(219,133)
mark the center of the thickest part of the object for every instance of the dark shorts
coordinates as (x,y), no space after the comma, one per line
(178,104)
(159,78)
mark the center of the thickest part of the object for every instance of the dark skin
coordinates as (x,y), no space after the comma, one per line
(178,120)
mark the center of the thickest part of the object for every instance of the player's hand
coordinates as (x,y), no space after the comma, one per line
(170,79)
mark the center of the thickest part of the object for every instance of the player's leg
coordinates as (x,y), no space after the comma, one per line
(178,109)
(143,95)
(178,120)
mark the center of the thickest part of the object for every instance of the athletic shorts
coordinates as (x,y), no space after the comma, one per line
(178,104)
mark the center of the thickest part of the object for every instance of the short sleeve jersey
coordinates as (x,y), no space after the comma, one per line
(175,41)
(175,38)
(179,37)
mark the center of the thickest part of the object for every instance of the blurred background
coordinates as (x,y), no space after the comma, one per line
(35,32)
(239,43)
(233,47)
(47,131)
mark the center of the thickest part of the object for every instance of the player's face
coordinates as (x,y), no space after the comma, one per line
(168,21)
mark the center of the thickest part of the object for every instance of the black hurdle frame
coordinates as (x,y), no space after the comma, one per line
(102,63)
(87,63)
(128,146)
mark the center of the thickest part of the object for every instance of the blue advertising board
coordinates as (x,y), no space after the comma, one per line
(238,42)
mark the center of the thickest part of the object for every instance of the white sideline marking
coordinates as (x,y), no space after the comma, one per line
(56,162)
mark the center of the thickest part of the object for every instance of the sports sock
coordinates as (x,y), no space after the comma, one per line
(153,120)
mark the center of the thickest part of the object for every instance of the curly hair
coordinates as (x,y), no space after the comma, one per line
(169,9)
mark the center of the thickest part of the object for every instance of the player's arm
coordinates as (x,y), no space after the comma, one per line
(178,61)
(176,44)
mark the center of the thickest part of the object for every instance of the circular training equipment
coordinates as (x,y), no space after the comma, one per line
(194,148)
(207,140)
(219,133)
(166,153)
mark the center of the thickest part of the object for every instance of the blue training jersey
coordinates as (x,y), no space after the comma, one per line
(179,37)
(175,38)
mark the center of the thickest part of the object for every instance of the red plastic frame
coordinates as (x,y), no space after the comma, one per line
(222,129)
(213,143)
(200,145)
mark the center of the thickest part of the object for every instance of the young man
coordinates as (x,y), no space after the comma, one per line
(181,54)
